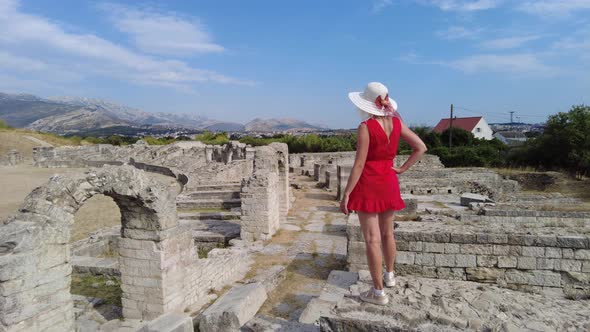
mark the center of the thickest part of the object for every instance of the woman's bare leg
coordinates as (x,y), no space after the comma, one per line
(387,239)
(370,228)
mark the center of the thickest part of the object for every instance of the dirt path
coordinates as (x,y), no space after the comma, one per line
(310,244)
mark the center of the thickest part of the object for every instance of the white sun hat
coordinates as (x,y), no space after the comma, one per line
(374,100)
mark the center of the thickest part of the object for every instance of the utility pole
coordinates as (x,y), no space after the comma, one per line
(451,130)
(511,113)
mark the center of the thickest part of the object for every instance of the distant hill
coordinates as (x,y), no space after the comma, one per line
(278,125)
(70,115)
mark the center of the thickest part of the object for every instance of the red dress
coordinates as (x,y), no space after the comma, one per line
(378,188)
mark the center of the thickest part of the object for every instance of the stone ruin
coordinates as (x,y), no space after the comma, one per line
(12,158)
(508,244)
(472,224)
(156,244)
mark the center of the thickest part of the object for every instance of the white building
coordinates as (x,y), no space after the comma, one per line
(477,125)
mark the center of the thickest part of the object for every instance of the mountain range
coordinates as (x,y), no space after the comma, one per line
(70,115)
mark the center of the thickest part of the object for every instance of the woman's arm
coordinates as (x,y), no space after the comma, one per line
(418,147)
(362,148)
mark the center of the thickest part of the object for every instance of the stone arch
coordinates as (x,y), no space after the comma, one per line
(35,272)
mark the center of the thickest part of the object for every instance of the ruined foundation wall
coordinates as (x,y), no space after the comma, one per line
(265,194)
(511,259)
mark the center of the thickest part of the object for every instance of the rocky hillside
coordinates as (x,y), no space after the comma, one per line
(69,115)
(278,125)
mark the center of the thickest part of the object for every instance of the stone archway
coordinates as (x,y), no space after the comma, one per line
(35,272)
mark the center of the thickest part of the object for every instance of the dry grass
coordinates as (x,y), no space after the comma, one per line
(97,213)
(561,183)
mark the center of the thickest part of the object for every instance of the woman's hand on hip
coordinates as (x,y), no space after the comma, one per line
(398,170)
(344,204)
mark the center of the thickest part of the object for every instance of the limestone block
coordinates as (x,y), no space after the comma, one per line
(233,309)
(507,261)
(586,267)
(567,253)
(405,257)
(434,247)
(527,263)
(492,238)
(424,259)
(582,254)
(533,251)
(551,252)
(477,249)
(465,260)
(467,198)
(546,263)
(171,322)
(546,241)
(415,246)
(482,274)
(569,265)
(463,238)
(450,273)
(572,241)
(452,248)
(444,260)
(533,278)
(487,261)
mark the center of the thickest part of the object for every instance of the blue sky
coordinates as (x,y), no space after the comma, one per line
(237,60)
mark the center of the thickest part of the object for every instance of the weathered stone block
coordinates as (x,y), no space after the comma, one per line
(400,245)
(425,259)
(546,241)
(572,241)
(586,266)
(476,249)
(452,248)
(487,261)
(465,260)
(567,253)
(569,265)
(445,260)
(434,247)
(507,261)
(551,252)
(234,308)
(416,246)
(527,263)
(492,238)
(450,273)
(582,254)
(405,257)
(533,251)
(171,322)
(482,274)
(546,263)
(533,278)
(463,238)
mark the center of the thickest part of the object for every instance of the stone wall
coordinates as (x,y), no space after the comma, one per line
(265,194)
(160,270)
(12,158)
(200,162)
(507,257)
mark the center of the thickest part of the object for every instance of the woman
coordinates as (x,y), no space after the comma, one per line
(373,189)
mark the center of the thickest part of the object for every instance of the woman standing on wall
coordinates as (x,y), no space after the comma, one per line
(373,189)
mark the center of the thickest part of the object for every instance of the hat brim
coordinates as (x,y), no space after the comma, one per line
(367,106)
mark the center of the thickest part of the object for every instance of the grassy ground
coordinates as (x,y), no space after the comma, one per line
(96,286)
(549,182)
(16,139)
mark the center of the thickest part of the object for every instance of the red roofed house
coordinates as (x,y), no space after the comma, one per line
(475,124)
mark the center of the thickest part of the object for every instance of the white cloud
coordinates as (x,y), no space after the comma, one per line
(506,63)
(379,5)
(91,54)
(463,5)
(158,33)
(554,7)
(458,32)
(507,43)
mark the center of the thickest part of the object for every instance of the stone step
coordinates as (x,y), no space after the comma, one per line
(213,194)
(221,215)
(233,309)
(213,230)
(209,204)
(218,187)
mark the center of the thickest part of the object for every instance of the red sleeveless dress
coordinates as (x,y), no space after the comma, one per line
(378,188)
